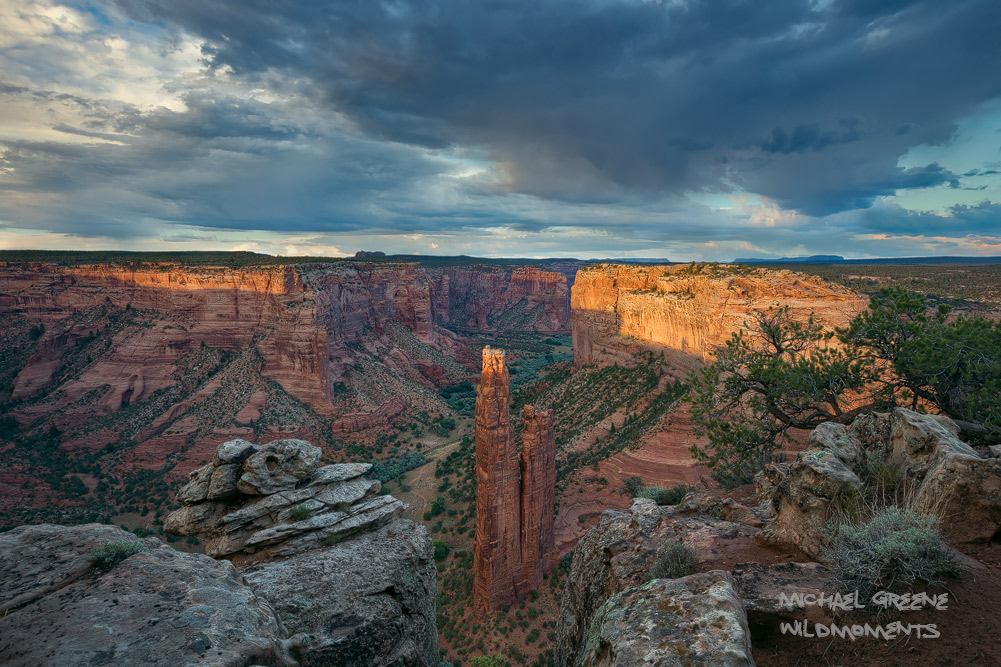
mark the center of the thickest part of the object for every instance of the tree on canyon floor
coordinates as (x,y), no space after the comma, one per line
(783,374)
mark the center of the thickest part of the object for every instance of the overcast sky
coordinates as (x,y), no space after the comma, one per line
(682,129)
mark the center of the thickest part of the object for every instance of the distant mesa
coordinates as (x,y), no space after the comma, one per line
(369,254)
(811,259)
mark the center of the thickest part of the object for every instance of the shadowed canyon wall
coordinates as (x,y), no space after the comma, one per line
(486,298)
(617,309)
(513,546)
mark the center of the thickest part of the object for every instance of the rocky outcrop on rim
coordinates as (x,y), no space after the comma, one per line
(315,568)
(942,475)
(156,607)
(260,503)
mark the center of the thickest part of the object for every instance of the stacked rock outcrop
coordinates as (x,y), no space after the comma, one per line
(321,545)
(258,503)
(513,546)
(946,477)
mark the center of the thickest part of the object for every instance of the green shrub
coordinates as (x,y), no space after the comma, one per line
(876,472)
(632,486)
(674,559)
(896,546)
(111,554)
(670,496)
(440,550)
(300,513)
(331,539)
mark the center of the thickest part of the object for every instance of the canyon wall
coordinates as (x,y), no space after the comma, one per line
(617,310)
(486,298)
(223,308)
(513,546)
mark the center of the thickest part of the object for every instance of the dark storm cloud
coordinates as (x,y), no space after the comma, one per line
(960,220)
(588,99)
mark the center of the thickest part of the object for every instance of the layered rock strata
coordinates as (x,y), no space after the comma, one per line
(257,503)
(321,545)
(228,309)
(617,310)
(485,298)
(513,546)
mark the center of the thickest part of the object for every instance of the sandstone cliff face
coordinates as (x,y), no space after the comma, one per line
(490,299)
(617,310)
(538,494)
(497,575)
(223,308)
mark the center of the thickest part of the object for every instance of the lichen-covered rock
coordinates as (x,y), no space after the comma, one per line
(729,509)
(369,600)
(300,513)
(197,488)
(157,607)
(950,479)
(768,479)
(837,439)
(695,620)
(872,430)
(916,439)
(620,552)
(803,500)
(965,492)
(233,451)
(223,481)
(278,466)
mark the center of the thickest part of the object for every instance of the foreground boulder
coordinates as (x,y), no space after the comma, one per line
(255,504)
(369,600)
(619,553)
(318,570)
(917,442)
(965,491)
(695,620)
(156,607)
(921,453)
(819,478)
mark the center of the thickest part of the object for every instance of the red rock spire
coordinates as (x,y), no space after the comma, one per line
(538,491)
(497,574)
(514,500)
